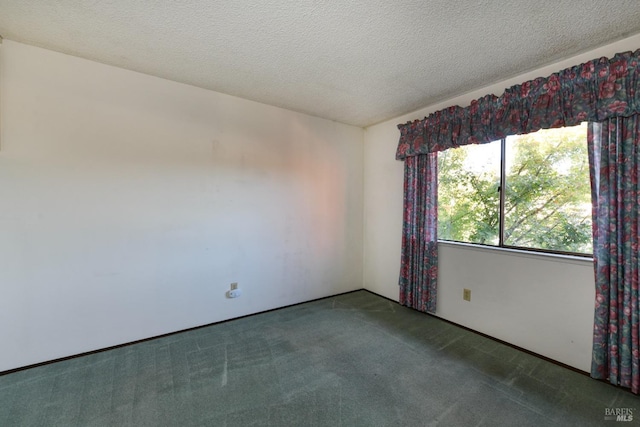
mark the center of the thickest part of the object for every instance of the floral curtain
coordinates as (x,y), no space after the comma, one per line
(614,160)
(605,92)
(594,91)
(419,259)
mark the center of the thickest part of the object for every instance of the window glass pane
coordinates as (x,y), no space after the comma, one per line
(548,195)
(468,198)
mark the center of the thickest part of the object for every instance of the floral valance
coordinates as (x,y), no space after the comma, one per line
(593,91)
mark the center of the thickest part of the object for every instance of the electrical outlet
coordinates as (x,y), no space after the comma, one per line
(466,294)
(234,291)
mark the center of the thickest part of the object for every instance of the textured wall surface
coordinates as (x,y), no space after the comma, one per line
(130,203)
(357,62)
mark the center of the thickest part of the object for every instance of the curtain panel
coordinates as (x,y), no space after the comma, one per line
(614,162)
(604,92)
(419,259)
(594,91)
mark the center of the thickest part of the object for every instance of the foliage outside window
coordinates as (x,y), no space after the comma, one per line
(528,191)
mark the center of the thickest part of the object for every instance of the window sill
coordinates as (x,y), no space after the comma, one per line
(521,253)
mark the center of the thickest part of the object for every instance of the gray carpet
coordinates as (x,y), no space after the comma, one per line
(352,360)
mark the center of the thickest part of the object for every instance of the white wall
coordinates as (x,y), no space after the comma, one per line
(129,203)
(537,302)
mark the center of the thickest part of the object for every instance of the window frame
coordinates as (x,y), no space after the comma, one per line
(501,217)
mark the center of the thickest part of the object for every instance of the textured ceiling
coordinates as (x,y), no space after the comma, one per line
(358,61)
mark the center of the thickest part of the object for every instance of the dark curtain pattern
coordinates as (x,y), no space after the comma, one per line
(594,91)
(614,160)
(603,92)
(419,259)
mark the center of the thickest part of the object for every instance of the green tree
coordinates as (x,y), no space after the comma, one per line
(468,199)
(547,193)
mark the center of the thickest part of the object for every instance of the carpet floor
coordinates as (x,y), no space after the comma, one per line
(356,359)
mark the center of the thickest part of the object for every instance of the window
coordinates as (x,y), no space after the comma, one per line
(527,191)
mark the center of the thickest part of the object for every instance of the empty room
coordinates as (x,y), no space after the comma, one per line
(298,213)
